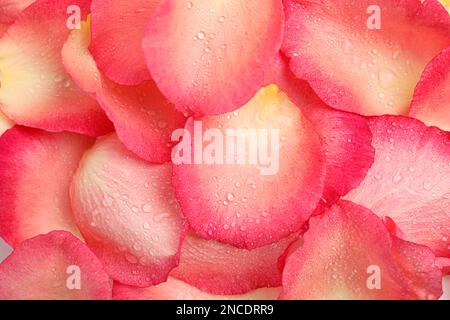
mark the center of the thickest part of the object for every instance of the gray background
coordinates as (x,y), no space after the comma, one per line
(5,250)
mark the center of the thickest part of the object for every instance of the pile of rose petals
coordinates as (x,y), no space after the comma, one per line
(92,92)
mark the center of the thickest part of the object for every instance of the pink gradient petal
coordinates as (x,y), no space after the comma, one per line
(40,269)
(346,139)
(143,118)
(36,168)
(431,103)
(117,31)
(35,90)
(409,180)
(364,70)
(347,245)
(5,124)
(225,270)
(175,289)
(239,203)
(211,56)
(127,212)
(11,9)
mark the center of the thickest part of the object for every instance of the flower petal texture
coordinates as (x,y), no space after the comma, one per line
(127,212)
(175,289)
(46,267)
(113,24)
(408,181)
(348,250)
(36,169)
(201,53)
(362,56)
(431,103)
(143,118)
(229,196)
(222,269)
(35,89)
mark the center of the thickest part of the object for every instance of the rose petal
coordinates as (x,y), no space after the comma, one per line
(210,56)
(346,138)
(143,118)
(356,68)
(431,103)
(127,212)
(36,168)
(5,124)
(222,269)
(5,250)
(409,180)
(46,267)
(35,89)
(175,289)
(246,203)
(346,249)
(117,31)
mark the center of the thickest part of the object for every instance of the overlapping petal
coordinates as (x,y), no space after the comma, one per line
(175,289)
(362,56)
(229,192)
(55,266)
(143,118)
(211,56)
(36,168)
(115,23)
(35,89)
(252,155)
(225,270)
(11,9)
(348,253)
(346,139)
(431,103)
(408,181)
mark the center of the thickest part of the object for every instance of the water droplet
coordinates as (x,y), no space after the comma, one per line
(221,19)
(146,226)
(230,197)
(201,35)
(189,5)
(427,186)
